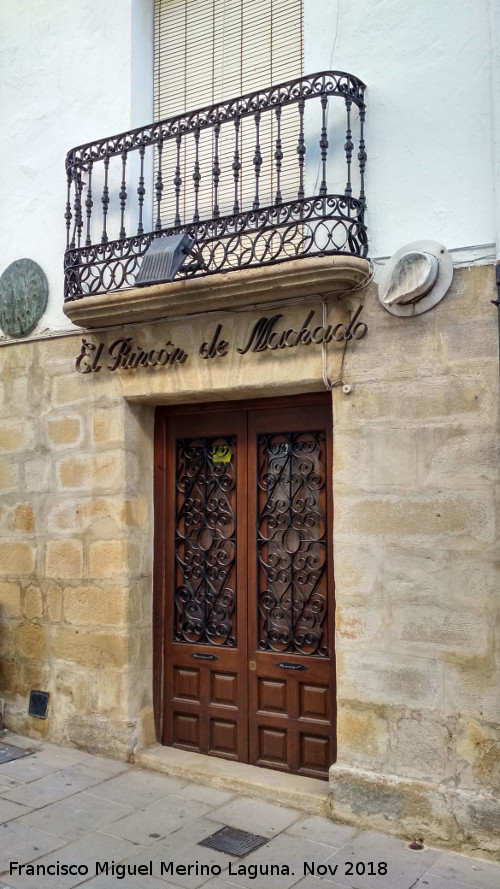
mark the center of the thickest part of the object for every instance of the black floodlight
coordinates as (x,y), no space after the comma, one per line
(165,257)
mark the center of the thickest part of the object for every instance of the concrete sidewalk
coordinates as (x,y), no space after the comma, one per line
(71,819)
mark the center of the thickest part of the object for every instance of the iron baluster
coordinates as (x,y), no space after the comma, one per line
(301,148)
(68,214)
(236,163)
(105,201)
(216,171)
(159,188)
(123,195)
(323,143)
(89,204)
(278,155)
(348,147)
(78,226)
(257,160)
(178,179)
(196,174)
(141,191)
(362,156)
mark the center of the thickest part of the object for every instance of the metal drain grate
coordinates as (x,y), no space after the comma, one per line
(233,842)
(8,753)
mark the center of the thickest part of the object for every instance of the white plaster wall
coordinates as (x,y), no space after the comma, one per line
(69,73)
(429,134)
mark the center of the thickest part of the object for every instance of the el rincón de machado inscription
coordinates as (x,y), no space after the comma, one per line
(125,355)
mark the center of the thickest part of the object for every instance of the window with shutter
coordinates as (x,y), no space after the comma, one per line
(209,51)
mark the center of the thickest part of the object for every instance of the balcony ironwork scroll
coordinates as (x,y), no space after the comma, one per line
(263,178)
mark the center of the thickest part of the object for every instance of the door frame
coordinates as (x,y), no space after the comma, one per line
(160,488)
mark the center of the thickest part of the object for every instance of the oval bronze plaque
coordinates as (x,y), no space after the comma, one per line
(23,297)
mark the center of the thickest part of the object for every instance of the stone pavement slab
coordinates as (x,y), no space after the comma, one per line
(283,858)
(322,830)
(21,843)
(374,861)
(55,786)
(450,866)
(75,816)
(158,820)
(255,816)
(10,810)
(82,853)
(137,788)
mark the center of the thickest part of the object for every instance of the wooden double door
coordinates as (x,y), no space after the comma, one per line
(244,665)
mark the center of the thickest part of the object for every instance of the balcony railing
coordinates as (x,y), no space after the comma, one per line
(271,176)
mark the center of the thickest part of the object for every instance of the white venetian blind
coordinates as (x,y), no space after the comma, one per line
(208,51)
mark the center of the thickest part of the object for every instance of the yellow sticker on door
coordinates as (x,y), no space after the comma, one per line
(220,454)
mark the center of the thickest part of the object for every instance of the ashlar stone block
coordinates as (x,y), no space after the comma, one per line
(110,558)
(360,623)
(33,603)
(422,748)
(101,606)
(95,649)
(10,600)
(458,455)
(64,431)
(15,435)
(31,641)
(416,575)
(23,519)
(478,745)
(362,738)
(388,680)
(9,476)
(357,569)
(54,602)
(463,518)
(473,691)
(64,558)
(17,558)
(438,631)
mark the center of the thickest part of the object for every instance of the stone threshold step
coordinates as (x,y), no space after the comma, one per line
(309,795)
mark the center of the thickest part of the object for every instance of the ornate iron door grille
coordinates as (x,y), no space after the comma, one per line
(205,542)
(291,544)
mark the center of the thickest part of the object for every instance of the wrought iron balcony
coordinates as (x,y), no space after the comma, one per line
(270,176)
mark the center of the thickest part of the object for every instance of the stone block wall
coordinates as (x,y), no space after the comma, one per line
(75,551)
(417,458)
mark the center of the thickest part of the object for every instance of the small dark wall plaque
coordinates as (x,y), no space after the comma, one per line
(24,292)
(38,705)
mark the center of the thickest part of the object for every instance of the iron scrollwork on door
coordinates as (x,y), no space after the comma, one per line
(291,541)
(205,542)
